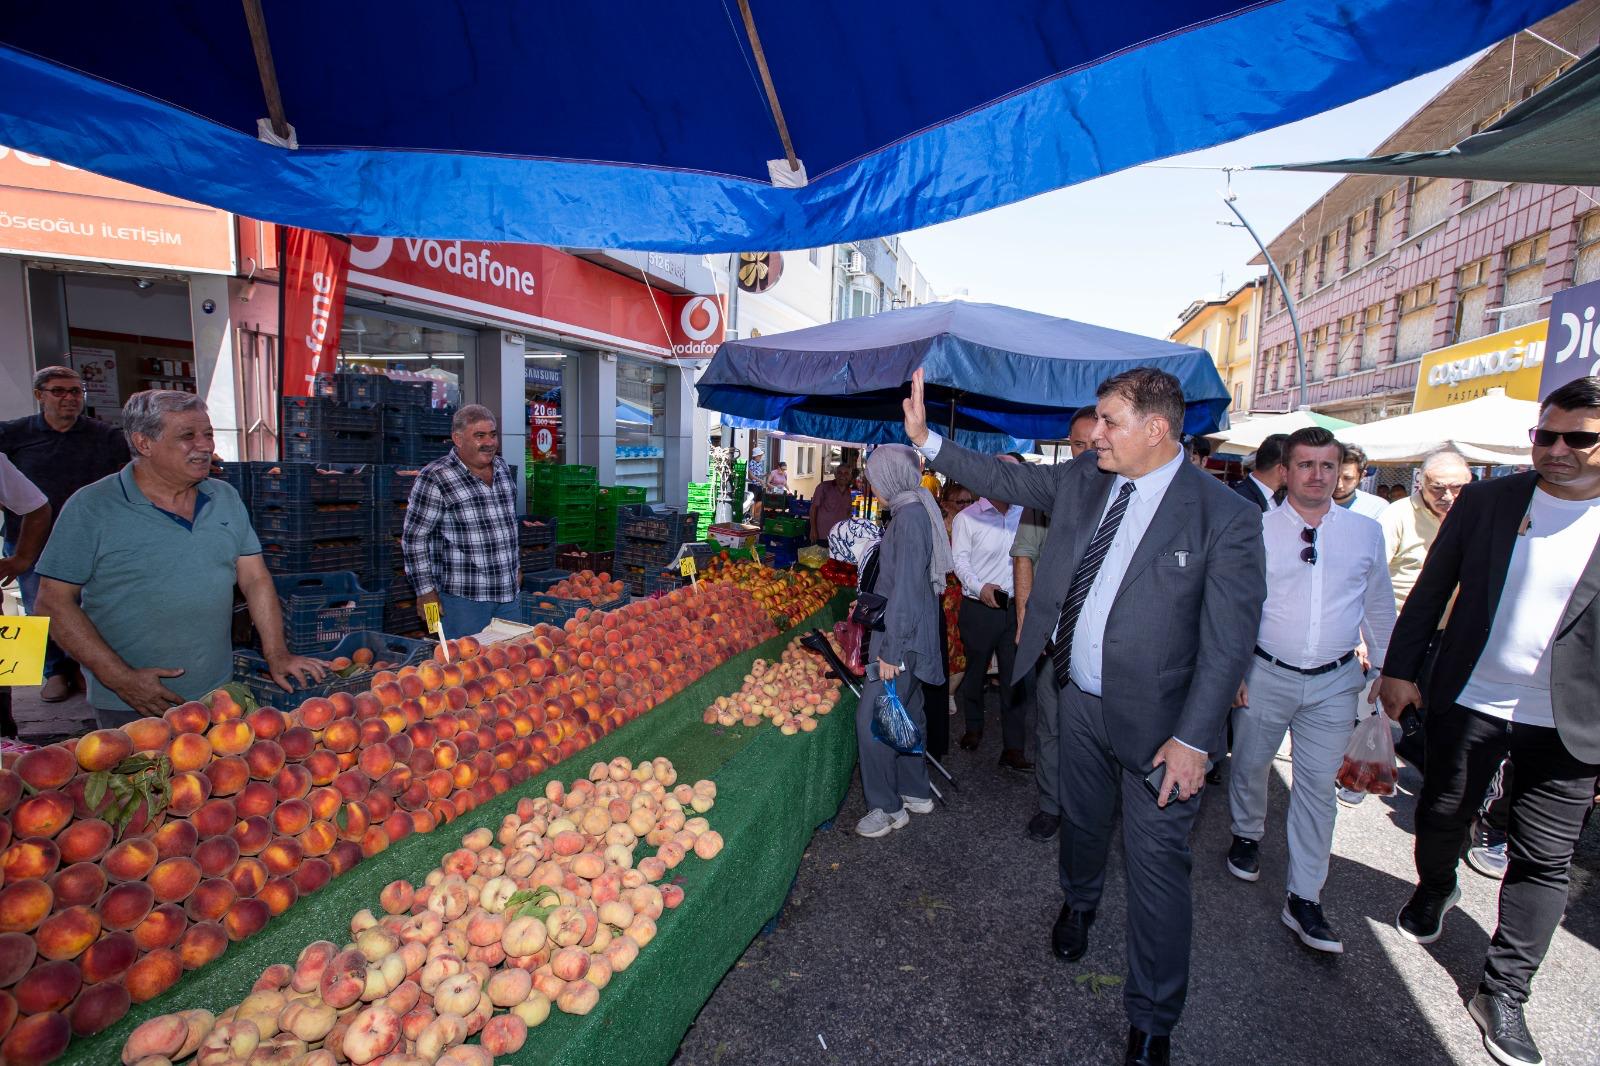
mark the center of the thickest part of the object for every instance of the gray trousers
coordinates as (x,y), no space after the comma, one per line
(886,775)
(1047,735)
(1155,845)
(1319,713)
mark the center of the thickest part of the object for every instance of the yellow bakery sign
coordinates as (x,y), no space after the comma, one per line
(1510,359)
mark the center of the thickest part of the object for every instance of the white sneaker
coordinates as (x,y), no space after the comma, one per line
(918,806)
(878,824)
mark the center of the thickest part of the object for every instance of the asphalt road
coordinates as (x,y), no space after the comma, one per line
(932,946)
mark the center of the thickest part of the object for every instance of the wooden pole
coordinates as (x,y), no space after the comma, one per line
(257,22)
(766,81)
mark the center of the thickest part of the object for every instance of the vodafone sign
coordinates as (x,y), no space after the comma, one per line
(698,327)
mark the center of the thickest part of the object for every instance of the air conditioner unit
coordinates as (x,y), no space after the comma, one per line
(856,264)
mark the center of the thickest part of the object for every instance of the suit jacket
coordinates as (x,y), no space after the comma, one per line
(1181,628)
(1252,492)
(1473,553)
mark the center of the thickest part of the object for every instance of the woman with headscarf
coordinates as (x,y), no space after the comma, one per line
(912,560)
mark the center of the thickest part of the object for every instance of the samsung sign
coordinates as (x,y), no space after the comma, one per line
(1574,338)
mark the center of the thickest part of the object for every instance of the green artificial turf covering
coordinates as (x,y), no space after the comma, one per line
(772,793)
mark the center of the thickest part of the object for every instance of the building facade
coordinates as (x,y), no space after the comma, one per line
(1229,328)
(1385,270)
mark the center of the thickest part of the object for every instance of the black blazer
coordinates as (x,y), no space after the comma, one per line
(1252,492)
(1473,551)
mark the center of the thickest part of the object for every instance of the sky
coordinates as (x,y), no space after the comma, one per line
(1133,249)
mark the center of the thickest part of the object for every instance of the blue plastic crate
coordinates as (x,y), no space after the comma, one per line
(316,557)
(284,484)
(316,414)
(319,610)
(391,391)
(411,449)
(331,447)
(536,560)
(238,475)
(537,531)
(645,553)
(388,519)
(390,482)
(250,669)
(358,389)
(311,521)
(665,525)
(414,419)
(560,608)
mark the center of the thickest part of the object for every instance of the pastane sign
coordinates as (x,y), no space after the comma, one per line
(1511,359)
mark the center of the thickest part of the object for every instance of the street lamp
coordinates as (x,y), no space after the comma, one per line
(1229,198)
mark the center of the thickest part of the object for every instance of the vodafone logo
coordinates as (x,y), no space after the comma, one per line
(700,318)
(364,258)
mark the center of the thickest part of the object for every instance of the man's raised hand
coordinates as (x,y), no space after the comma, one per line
(916,412)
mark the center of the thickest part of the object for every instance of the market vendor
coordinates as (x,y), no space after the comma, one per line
(460,534)
(137,577)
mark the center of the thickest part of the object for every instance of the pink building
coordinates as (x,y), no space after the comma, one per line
(1385,270)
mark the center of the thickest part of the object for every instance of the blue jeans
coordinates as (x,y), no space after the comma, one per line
(462,617)
(55,660)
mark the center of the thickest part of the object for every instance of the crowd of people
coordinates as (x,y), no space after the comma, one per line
(1164,625)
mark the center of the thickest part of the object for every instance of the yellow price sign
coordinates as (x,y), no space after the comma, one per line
(431,612)
(22,643)
(686,566)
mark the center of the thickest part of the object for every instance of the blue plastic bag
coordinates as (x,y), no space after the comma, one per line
(892,724)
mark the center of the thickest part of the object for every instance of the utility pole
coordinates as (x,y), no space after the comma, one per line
(1288,298)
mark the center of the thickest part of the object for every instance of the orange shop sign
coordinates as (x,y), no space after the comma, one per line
(50,209)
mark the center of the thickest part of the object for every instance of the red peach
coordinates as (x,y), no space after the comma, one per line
(248,875)
(201,944)
(214,818)
(23,905)
(377,760)
(228,775)
(282,856)
(35,857)
(178,837)
(324,802)
(256,798)
(324,766)
(17,954)
(269,723)
(217,855)
(279,894)
(292,782)
(153,975)
(398,826)
(353,784)
(46,768)
(341,735)
(84,841)
(65,934)
(352,821)
(252,834)
(103,749)
(36,1040)
(265,759)
(173,879)
(148,734)
(42,815)
(232,736)
(318,838)
(189,751)
(189,791)
(98,1008)
(108,958)
(291,817)
(246,918)
(297,743)
(50,986)
(311,875)
(79,885)
(346,855)
(191,717)
(315,713)
(130,860)
(210,900)
(161,929)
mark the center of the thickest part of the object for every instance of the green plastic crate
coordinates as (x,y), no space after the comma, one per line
(783,526)
(611,497)
(563,474)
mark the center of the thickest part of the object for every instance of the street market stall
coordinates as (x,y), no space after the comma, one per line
(1244,437)
(1492,429)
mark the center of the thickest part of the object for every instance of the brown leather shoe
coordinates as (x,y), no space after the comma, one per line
(1013,759)
(56,688)
(970,740)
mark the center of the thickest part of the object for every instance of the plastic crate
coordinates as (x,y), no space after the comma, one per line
(555,610)
(799,508)
(391,482)
(646,553)
(782,526)
(575,557)
(411,450)
(393,391)
(334,447)
(286,484)
(388,519)
(239,476)
(311,521)
(613,496)
(666,525)
(316,557)
(563,474)
(316,414)
(250,669)
(775,503)
(319,610)
(359,389)
(407,419)
(533,560)
(537,531)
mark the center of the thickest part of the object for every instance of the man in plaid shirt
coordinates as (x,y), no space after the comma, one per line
(460,536)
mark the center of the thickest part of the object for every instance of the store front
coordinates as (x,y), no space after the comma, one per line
(1512,360)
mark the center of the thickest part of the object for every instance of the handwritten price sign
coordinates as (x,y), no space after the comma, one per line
(22,650)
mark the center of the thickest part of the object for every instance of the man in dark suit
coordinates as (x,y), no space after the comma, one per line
(1147,598)
(1518,674)
(1264,486)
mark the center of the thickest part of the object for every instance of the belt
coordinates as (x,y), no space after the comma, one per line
(1309,671)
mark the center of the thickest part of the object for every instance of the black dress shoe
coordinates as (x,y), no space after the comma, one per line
(1505,1033)
(1244,859)
(1421,920)
(1147,1050)
(1069,939)
(1043,826)
(1013,759)
(970,740)
(1311,925)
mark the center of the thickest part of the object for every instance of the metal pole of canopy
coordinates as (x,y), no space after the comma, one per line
(766,82)
(257,22)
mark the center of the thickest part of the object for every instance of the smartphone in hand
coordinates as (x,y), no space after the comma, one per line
(1001,599)
(1152,784)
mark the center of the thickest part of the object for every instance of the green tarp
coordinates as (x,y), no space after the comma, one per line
(772,793)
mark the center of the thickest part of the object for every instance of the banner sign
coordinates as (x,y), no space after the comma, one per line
(698,326)
(1574,339)
(1512,359)
(22,650)
(315,266)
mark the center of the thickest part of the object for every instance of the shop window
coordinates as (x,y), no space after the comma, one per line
(641,426)
(1587,267)
(542,391)
(407,348)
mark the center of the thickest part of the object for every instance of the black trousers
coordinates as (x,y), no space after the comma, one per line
(936,698)
(991,632)
(1549,795)
(1155,845)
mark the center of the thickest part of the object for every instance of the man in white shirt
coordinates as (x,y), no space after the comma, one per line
(1348,493)
(980,544)
(1327,588)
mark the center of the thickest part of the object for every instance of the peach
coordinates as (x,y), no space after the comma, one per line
(162,927)
(307,1020)
(42,815)
(35,857)
(290,817)
(231,737)
(312,963)
(345,855)
(621,953)
(202,943)
(273,978)
(211,899)
(484,929)
(125,906)
(65,934)
(266,759)
(312,875)
(108,958)
(280,1050)
(268,723)
(36,1040)
(324,803)
(457,994)
(232,1041)
(257,798)
(374,1032)
(524,936)
(398,825)
(341,735)
(227,774)
(376,943)
(297,743)
(17,954)
(215,817)
(216,856)
(84,841)
(157,1038)
(103,749)
(191,717)
(46,768)
(465,1055)
(282,856)
(315,713)
(440,1035)
(252,834)
(279,894)
(642,931)
(534,1010)
(246,918)
(570,964)
(98,1007)
(23,905)
(343,980)
(318,838)
(200,1024)
(189,791)
(323,765)
(223,706)
(509,987)
(396,897)
(130,860)
(8,1013)
(189,751)
(374,731)
(578,997)
(49,986)
(148,734)
(173,879)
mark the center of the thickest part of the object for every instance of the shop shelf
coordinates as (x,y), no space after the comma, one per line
(250,669)
(358,389)
(334,447)
(285,484)
(664,524)
(311,521)
(574,558)
(393,391)
(319,610)
(393,482)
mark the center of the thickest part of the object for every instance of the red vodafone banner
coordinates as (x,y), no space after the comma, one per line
(698,326)
(314,268)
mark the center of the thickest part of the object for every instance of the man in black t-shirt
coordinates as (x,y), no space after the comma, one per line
(60,450)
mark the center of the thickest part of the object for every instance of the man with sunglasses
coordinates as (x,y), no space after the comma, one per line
(1327,588)
(61,450)
(1518,674)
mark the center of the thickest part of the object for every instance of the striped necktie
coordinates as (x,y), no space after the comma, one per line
(1083,581)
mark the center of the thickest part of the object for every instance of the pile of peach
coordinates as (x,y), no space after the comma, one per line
(544,911)
(790,693)
(586,585)
(787,595)
(269,806)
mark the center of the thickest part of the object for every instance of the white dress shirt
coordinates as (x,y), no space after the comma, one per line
(1365,503)
(1316,612)
(980,546)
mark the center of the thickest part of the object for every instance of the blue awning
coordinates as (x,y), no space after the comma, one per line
(645,125)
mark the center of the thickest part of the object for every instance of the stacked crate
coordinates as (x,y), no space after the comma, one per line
(321,430)
(313,517)
(536,544)
(414,434)
(648,541)
(704,504)
(321,610)
(391,493)
(566,493)
(607,500)
(782,536)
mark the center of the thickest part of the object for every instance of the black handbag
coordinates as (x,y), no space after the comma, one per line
(869,607)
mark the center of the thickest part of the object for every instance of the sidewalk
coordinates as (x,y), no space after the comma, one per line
(41,723)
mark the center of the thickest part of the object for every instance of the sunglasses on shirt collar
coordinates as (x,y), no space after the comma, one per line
(1308,554)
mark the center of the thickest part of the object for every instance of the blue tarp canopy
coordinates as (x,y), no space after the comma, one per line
(643,124)
(1010,375)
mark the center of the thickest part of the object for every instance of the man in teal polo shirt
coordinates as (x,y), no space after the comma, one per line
(137,578)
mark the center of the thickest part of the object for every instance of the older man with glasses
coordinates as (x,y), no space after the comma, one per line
(60,450)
